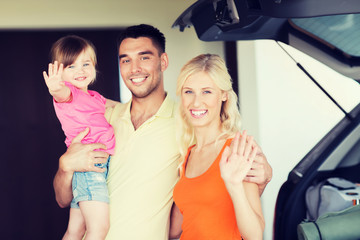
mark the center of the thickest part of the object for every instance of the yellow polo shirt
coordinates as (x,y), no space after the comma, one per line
(142,174)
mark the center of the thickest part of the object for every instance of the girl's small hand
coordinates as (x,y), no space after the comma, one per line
(54,81)
(237,160)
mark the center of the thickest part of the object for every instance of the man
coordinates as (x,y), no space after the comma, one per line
(143,170)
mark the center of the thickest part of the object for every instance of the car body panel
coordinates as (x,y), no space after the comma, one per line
(233,20)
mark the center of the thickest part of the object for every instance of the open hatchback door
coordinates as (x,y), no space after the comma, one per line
(328,31)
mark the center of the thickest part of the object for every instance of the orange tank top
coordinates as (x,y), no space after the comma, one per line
(205,203)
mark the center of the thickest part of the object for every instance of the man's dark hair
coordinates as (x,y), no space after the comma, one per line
(144,30)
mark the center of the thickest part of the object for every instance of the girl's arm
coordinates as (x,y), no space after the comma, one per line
(55,84)
(176,219)
(234,165)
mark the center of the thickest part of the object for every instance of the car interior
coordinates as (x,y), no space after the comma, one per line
(326,30)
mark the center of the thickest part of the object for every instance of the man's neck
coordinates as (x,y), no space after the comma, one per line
(144,108)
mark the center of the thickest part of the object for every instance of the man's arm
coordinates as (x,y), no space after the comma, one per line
(62,187)
(176,219)
(78,158)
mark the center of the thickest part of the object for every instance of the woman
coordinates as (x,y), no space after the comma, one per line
(212,200)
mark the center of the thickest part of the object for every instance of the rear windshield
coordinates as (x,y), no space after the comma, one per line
(339,31)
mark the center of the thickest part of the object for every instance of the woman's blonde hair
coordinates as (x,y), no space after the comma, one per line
(216,68)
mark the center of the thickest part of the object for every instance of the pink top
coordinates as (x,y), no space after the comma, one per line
(85,110)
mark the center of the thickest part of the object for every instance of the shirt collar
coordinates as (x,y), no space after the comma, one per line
(166,110)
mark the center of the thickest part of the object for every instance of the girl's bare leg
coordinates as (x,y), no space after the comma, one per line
(76,227)
(96,215)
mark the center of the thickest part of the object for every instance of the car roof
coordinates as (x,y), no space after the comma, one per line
(324,29)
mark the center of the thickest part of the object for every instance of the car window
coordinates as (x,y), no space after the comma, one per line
(339,31)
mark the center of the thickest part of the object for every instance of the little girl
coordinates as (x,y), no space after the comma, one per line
(77,108)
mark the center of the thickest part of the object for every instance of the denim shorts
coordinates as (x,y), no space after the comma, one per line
(90,186)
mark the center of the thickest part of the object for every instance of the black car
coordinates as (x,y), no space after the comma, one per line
(311,26)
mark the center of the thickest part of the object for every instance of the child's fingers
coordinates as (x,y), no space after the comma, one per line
(45,76)
(56,66)
(50,69)
(61,69)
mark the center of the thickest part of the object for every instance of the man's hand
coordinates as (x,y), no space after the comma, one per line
(81,157)
(78,158)
(260,172)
